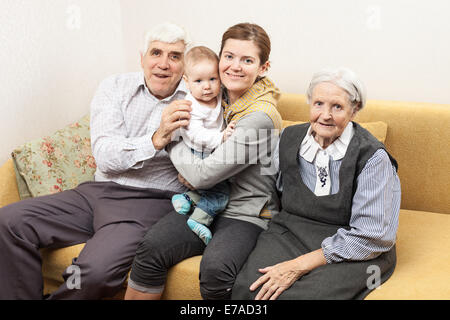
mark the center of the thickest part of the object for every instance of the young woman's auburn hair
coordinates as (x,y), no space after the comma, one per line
(249,31)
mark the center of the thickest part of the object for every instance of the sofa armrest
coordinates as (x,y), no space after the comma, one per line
(8,184)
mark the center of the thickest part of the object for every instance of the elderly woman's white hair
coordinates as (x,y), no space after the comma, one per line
(167,32)
(344,79)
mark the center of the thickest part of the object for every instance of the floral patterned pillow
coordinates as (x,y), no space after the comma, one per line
(55,163)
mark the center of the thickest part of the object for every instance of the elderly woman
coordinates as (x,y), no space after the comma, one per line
(335,235)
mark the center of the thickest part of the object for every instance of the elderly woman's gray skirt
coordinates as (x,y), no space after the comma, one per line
(338,281)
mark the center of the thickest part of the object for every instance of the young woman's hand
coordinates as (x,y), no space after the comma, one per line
(185,182)
(229,130)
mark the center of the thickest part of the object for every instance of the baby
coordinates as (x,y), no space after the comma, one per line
(204,134)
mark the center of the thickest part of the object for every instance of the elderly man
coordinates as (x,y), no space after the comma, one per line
(132,120)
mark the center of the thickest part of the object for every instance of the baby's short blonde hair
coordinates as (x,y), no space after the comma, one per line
(199,53)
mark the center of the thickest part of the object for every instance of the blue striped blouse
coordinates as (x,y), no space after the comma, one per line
(375,208)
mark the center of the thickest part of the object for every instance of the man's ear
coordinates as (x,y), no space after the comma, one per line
(142,59)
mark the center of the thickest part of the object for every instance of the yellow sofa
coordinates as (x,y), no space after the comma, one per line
(418,136)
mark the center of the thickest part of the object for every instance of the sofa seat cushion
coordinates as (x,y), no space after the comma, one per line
(422,271)
(186,273)
(183,280)
(55,261)
(423,259)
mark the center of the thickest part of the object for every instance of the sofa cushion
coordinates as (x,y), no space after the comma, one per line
(183,280)
(423,258)
(287,123)
(421,271)
(55,163)
(377,129)
(56,261)
(186,273)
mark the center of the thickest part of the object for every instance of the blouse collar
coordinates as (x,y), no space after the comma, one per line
(337,150)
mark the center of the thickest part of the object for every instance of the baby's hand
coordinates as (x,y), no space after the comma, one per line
(229,130)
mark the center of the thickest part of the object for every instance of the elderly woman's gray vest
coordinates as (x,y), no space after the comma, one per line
(311,219)
(327,213)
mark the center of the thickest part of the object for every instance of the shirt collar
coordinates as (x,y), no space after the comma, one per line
(181,88)
(309,147)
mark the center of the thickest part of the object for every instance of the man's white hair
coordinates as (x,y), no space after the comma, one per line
(166,32)
(346,80)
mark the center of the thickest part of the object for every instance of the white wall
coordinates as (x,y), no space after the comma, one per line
(53,53)
(401,48)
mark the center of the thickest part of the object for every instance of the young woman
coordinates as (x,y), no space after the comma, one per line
(250,100)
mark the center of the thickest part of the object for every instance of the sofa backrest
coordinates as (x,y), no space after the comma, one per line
(418,137)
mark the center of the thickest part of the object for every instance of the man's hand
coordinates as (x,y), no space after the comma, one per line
(174,116)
